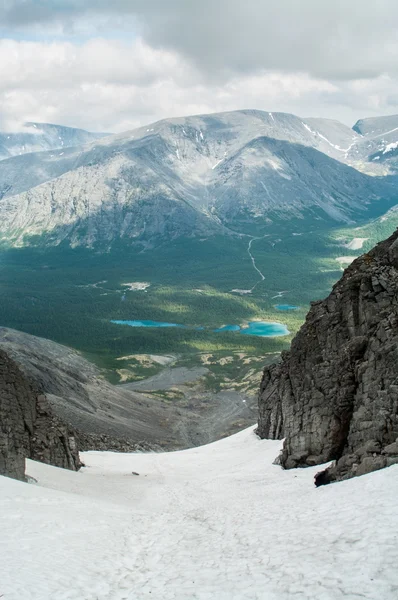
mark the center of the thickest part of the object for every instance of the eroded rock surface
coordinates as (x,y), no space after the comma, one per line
(28,427)
(334,395)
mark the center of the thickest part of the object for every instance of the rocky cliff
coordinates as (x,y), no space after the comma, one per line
(334,395)
(28,427)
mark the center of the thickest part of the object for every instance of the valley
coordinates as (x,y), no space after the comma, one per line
(198,300)
(72,295)
(196,239)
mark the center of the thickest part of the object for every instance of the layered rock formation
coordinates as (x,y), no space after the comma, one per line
(334,395)
(28,427)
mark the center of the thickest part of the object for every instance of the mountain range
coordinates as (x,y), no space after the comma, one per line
(37,137)
(227,173)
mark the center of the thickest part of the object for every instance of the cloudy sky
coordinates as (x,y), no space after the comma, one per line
(110,65)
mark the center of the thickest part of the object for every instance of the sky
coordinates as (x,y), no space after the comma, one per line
(112,65)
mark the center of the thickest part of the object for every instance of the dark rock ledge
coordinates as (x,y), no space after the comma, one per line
(334,395)
(28,427)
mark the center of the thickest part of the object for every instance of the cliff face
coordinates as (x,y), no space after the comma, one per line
(334,396)
(28,428)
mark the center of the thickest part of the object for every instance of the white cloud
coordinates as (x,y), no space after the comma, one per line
(312,58)
(328,39)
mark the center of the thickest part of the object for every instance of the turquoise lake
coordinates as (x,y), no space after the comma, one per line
(259,328)
(286,307)
(147,324)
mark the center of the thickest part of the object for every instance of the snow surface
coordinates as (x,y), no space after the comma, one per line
(217,522)
(390,147)
(347,260)
(356,243)
(217,163)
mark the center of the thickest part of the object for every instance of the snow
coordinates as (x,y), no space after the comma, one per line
(316,133)
(220,521)
(308,128)
(241,291)
(278,168)
(272,116)
(346,260)
(217,163)
(356,243)
(390,147)
(136,286)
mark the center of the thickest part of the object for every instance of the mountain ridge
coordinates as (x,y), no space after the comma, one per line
(35,136)
(211,171)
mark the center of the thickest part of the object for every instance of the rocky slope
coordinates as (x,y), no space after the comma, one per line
(334,395)
(188,176)
(38,137)
(377,149)
(116,417)
(28,426)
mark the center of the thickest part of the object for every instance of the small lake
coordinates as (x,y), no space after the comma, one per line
(286,307)
(259,328)
(147,324)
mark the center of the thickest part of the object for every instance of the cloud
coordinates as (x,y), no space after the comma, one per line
(334,40)
(114,66)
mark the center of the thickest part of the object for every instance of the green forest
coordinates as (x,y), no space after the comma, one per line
(71,295)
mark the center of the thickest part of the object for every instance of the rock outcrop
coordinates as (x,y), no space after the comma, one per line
(334,395)
(28,427)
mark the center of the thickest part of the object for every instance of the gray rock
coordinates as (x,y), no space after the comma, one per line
(28,427)
(391,449)
(370,464)
(334,396)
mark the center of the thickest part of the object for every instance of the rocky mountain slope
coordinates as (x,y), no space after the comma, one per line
(334,396)
(115,417)
(28,426)
(37,137)
(377,149)
(189,176)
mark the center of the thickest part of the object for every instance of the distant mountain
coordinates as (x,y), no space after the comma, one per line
(376,126)
(377,150)
(36,137)
(187,176)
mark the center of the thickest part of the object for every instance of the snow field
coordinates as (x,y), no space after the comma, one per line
(217,522)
